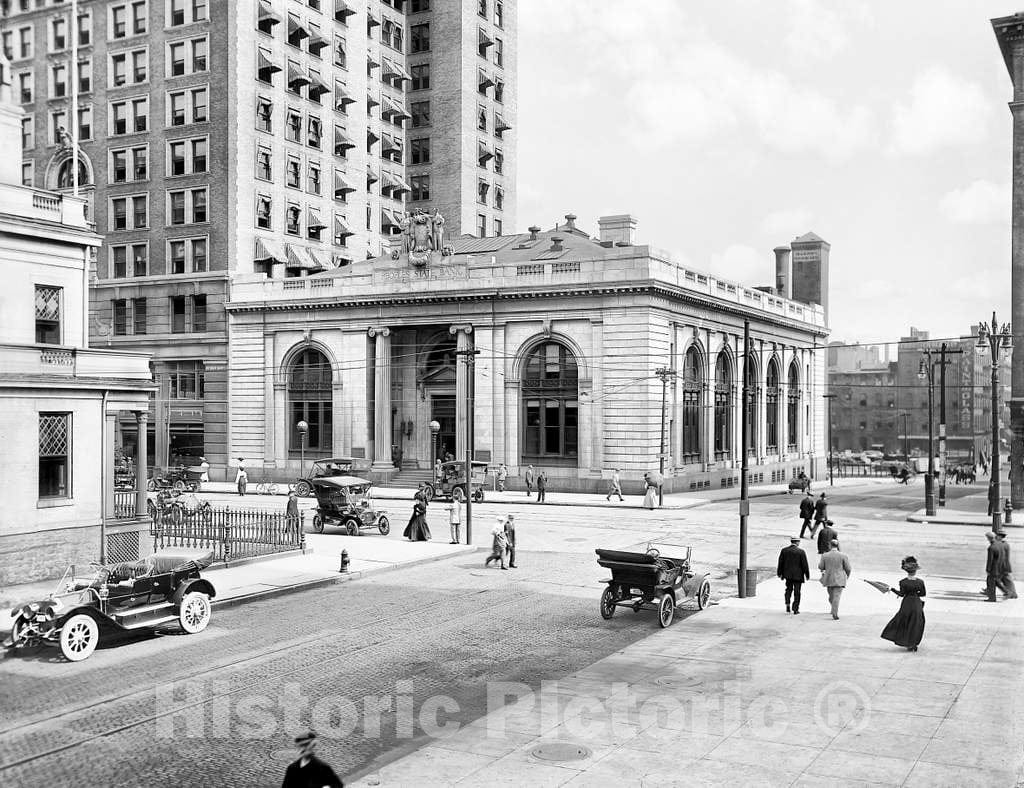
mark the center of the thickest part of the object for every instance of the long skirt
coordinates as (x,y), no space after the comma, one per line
(417,530)
(907,627)
(651,498)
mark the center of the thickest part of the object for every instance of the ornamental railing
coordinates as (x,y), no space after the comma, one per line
(124,504)
(232,534)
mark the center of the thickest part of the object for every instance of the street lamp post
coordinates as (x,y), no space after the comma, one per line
(926,371)
(435,429)
(995,339)
(664,373)
(906,436)
(828,400)
(303,429)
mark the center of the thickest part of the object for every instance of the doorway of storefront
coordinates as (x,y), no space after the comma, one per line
(442,410)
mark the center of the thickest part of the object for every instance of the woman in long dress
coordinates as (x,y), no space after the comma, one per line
(907,627)
(650,495)
(417,530)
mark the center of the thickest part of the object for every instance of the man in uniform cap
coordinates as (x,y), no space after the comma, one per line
(309,771)
(794,570)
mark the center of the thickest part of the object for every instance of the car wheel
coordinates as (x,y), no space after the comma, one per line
(303,489)
(318,523)
(179,485)
(16,629)
(429,492)
(607,603)
(478,496)
(458,494)
(384,525)
(78,637)
(666,610)
(194,612)
(353,527)
(151,485)
(272,489)
(703,594)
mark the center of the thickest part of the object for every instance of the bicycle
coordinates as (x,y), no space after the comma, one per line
(266,488)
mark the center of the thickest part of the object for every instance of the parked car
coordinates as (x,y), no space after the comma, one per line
(452,482)
(324,467)
(162,588)
(345,501)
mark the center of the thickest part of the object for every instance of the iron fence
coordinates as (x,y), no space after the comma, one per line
(232,534)
(124,504)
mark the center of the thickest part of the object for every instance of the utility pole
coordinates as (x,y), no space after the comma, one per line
(943,352)
(469,356)
(926,371)
(744,464)
(664,373)
(828,400)
(995,338)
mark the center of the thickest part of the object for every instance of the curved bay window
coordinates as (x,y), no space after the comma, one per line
(692,388)
(550,397)
(723,407)
(753,392)
(792,407)
(309,400)
(771,421)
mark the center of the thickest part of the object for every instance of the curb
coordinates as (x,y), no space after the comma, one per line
(938,520)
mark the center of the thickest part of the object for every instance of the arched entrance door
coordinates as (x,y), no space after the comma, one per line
(550,406)
(437,383)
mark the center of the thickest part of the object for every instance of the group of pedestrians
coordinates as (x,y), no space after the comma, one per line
(998,571)
(531,478)
(503,544)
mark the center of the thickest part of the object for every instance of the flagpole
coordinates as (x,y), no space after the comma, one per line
(73,32)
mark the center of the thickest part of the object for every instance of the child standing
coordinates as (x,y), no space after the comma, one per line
(455,521)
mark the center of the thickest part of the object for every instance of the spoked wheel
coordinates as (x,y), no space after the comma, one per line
(272,488)
(458,494)
(194,613)
(261,488)
(151,485)
(429,492)
(318,523)
(384,525)
(703,594)
(666,610)
(78,637)
(303,489)
(353,527)
(607,603)
(180,486)
(478,496)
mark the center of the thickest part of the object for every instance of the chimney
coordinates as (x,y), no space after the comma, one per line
(783,272)
(619,230)
(10,127)
(556,243)
(570,222)
(534,229)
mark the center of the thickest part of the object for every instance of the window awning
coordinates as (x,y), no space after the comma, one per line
(371,101)
(316,41)
(295,76)
(341,186)
(388,218)
(340,228)
(387,181)
(313,220)
(371,176)
(341,141)
(371,136)
(318,259)
(267,66)
(390,145)
(269,251)
(342,10)
(400,71)
(268,14)
(341,98)
(371,20)
(317,87)
(483,153)
(396,110)
(340,261)
(484,40)
(401,185)
(371,63)
(501,126)
(390,70)
(295,29)
(485,82)
(296,258)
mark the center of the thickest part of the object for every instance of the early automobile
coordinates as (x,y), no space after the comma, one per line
(451,482)
(180,479)
(162,588)
(345,501)
(327,466)
(650,579)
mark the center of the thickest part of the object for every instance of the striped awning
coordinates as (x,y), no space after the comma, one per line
(371,176)
(371,20)
(371,136)
(400,71)
(370,62)
(371,101)
(390,70)
(341,186)
(340,228)
(313,220)
(341,141)
(316,41)
(268,14)
(342,10)
(267,66)
(387,218)
(390,145)
(501,126)
(295,29)
(318,259)
(483,153)
(400,111)
(297,258)
(401,185)
(341,98)
(295,76)
(317,87)
(387,180)
(268,251)
(393,108)
(485,81)
(484,40)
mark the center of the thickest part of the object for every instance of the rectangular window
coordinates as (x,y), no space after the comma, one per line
(264,110)
(482,43)
(481,117)
(481,225)
(499,91)
(176,59)
(27,173)
(54,455)
(7,39)
(84,29)
(140,114)
(420,113)
(197,248)
(27,133)
(176,256)
(186,379)
(58,122)
(499,52)
(497,226)
(177,207)
(200,51)
(25,87)
(85,123)
(340,52)
(48,314)
(313,178)
(199,151)
(199,206)
(420,185)
(139,316)
(292,220)
(140,259)
(140,164)
(264,208)
(119,213)
(481,8)
(499,13)
(293,170)
(179,313)
(176,13)
(58,34)
(140,66)
(120,307)
(315,132)
(419,151)
(25,42)
(199,313)
(177,108)
(418,6)
(119,261)
(176,153)
(118,70)
(499,160)
(419,37)
(294,125)
(482,187)
(264,169)
(85,76)
(499,197)
(58,81)
(420,76)
(199,105)
(140,212)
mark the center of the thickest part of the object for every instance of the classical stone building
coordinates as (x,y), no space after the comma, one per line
(280,137)
(59,399)
(569,332)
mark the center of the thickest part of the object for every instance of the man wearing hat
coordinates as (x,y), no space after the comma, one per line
(309,771)
(794,570)
(825,537)
(510,537)
(820,513)
(499,543)
(204,466)
(835,571)
(1006,575)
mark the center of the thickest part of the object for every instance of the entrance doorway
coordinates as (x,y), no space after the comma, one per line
(442,410)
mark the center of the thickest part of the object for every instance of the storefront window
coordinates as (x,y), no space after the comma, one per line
(723,407)
(692,390)
(550,404)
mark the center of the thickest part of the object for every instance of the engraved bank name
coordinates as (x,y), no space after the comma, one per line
(418,274)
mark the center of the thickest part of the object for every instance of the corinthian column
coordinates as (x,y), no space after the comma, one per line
(463,341)
(381,399)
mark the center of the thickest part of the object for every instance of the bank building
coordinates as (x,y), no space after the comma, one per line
(585,355)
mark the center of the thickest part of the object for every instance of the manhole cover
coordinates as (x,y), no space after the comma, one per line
(680,681)
(560,751)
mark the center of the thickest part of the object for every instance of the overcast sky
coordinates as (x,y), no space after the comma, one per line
(728,127)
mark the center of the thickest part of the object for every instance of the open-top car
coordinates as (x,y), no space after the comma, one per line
(345,501)
(324,467)
(162,588)
(451,482)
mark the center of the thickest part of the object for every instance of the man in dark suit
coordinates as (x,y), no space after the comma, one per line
(794,570)
(806,513)
(1006,576)
(820,514)
(309,770)
(825,537)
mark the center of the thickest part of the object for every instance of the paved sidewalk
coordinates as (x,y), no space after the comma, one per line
(746,694)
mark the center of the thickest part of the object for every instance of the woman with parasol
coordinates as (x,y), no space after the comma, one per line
(907,627)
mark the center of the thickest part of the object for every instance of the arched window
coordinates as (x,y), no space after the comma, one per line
(792,407)
(309,400)
(64,174)
(753,394)
(550,406)
(692,391)
(771,422)
(723,407)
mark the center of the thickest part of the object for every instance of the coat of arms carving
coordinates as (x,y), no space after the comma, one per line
(423,236)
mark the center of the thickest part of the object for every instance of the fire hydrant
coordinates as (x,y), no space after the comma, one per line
(1007,512)
(344,561)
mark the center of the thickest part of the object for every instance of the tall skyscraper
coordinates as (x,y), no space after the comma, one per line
(254,137)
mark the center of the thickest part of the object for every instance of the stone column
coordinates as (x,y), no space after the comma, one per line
(381,399)
(1017,279)
(463,341)
(141,469)
(281,424)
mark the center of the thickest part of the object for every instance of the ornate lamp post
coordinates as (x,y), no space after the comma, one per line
(995,339)
(435,428)
(303,429)
(926,371)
